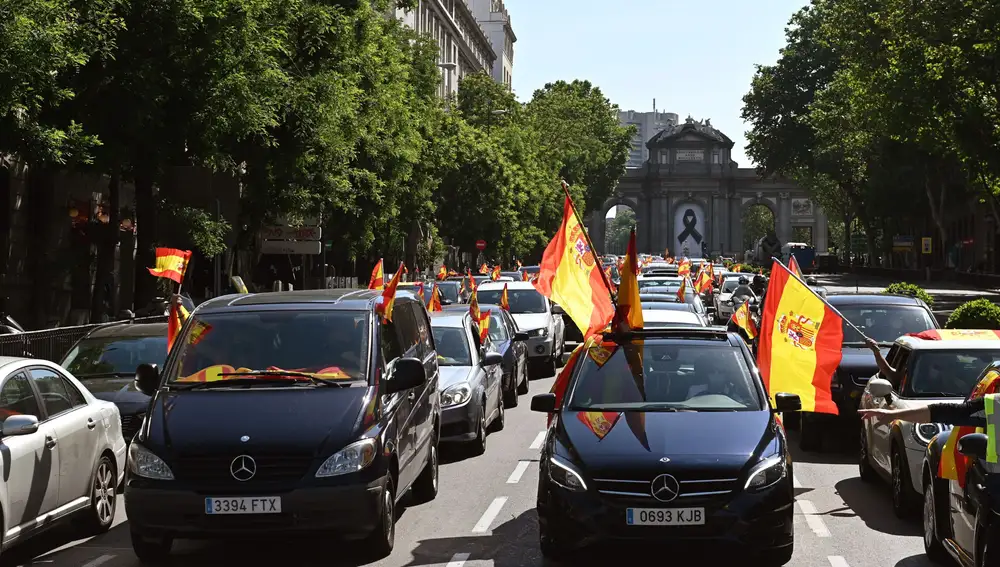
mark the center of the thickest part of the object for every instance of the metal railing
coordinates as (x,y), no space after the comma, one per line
(54,344)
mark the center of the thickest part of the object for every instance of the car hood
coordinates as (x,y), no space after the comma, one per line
(287,421)
(699,442)
(725,296)
(451,375)
(120,391)
(531,321)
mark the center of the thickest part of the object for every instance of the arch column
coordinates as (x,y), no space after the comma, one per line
(783,221)
(596,228)
(821,231)
(736,227)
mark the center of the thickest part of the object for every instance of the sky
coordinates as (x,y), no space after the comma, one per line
(695,57)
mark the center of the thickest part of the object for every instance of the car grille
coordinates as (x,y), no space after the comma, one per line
(131,425)
(693,488)
(214,470)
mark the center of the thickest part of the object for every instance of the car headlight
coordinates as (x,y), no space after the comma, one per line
(766,473)
(143,462)
(543,332)
(925,432)
(456,395)
(563,474)
(352,458)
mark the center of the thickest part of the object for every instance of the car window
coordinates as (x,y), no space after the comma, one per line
(57,393)
(671,376)
(498,328)
(406,326)
(520,300)
(730,285)
(424,334)
(453,347)
(17,397)
(884,323)
(945,373)
(109,355)
(391,348)
(449,291)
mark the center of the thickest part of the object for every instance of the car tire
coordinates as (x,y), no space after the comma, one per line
(501,419)
(510,393)
(425,488)
(931,518)
(478,444)
(902,494)
(380,542)
(99,517)
(810,435)
(551,367)
(522,387)
(150,551)
(865,470)
(552,544)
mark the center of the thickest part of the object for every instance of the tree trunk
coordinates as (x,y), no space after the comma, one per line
(5,213)
(103,296)
(40,201)
(146,230)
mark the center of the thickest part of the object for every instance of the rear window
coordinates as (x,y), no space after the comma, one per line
(448,291)
(665,377)
(109,355)
(331,343)
(453,348)
(521,300)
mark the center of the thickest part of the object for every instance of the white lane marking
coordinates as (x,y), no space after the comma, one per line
(458,560)
(539,439)
(814,522)
(795,482)
(483,525)
(515,476)
(99,561)
(837,561)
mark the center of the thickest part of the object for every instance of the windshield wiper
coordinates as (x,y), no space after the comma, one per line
(232,382)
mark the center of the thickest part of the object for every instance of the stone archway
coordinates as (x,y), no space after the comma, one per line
(745,206)
(597,225)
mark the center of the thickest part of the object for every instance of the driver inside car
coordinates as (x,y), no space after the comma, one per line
(713,378)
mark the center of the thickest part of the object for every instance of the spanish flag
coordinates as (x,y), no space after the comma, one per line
(384,308)
(628,315)
(482,320)
(171,263)
(600,422)
(744,321)
(793,266)
(953,465)
(178,314)
(443,272)
(495,274)
(682,291)
(704,282)
(737,269)
(684,268)
(800,342)
(569,275)
(377,281)
(524,276)
(504,299)
(434,303)
(484,269)
(198,332)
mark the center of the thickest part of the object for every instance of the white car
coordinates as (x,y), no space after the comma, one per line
(535,315)
(64,451)
(653,318)
(723,299)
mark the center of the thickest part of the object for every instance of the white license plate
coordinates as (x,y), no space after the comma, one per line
(244,505)
(665,516)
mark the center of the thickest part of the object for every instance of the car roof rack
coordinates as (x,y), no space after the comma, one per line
(678,332)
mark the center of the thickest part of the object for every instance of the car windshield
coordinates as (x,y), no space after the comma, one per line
(453,347)
(332,345)
(883,323)
(677,376)
(658,282)
(945,373)
(111,355)
(448,291)
(730,285)
(521,300)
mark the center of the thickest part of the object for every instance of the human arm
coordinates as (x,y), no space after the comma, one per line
(956,414)
(883,365)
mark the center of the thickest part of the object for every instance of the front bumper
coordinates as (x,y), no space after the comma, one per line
(540,348)
(350,511)
(458,423)
(742,522)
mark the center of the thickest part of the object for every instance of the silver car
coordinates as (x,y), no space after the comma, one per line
(535,315)
(471,381)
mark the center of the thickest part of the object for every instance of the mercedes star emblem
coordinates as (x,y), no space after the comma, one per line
(664,488)
(245,438)
(244,467)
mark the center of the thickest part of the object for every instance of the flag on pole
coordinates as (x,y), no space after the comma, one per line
(377,280)
(178,315)
(434,303)
(744,321)
(504,298)
(171,263)
(793,266)
(385,307)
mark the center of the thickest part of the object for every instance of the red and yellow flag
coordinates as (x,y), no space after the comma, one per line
(628,315)
(569,275)
(171,263)
(800,342)
(525,277)
(198,332)
(957,335)
(442,272)
(682,291)
(737,269)
(600,422)
(953,465)
(504,299)
(704,282)
(684,268)
(482,320)
(484,269)
(434,303)
(384,308)
(178,314)
(495,274)
(744,321)
(377,281)
(793,266)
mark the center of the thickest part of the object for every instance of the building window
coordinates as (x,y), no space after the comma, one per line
(716,158)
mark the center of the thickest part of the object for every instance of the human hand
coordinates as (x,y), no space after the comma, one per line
(872,344)
(878,415)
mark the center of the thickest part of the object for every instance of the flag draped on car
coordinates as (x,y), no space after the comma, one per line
(800,342)
(571,276)
(171,263)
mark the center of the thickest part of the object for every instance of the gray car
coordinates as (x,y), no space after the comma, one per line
(471,380)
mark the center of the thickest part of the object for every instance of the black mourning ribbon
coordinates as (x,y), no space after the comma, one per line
(690,227)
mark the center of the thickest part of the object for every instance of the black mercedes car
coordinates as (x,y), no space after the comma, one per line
(667,437)
(883,318)
(105,361)
(295,412)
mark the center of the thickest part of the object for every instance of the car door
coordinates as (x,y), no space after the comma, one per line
(409,341)
(482,373)
(30,462)
(75,424)
(399,403)
(881,438)
(424,401)
(967,511)
(519,350)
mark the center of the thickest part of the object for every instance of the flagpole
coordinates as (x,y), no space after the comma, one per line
(593,251)
(821,298)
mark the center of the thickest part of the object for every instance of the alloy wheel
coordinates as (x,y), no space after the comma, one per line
(390,514)
(897,480)
(104,493)
(929,517)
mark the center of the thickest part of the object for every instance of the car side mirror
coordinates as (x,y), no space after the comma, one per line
(557,309)
(784,402)
(544,403)
(406,373)
(520,336)
(147,379)
(492,359)
(446,301)
(879,387)
(973,445)
(19,425)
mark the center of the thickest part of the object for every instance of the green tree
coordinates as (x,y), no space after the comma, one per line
(757,221)
(619,231)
